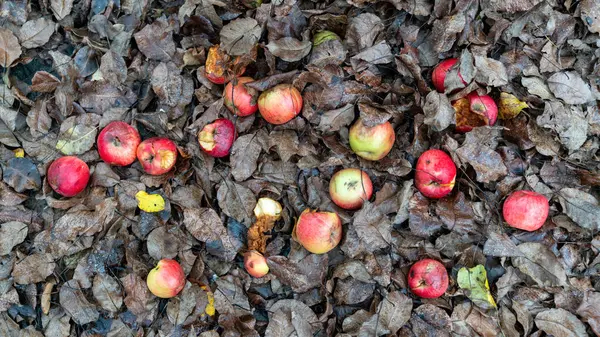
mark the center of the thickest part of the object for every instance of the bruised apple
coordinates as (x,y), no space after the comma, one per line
(475,110)
(239,99)
(117,143)
(68,176)
(280,104)
(435,174)
(217,138)
(318,232)
(167,279)
(350,187)
(157,155)
(255,264)
(439,74)
(428,279)
(371,142)
(525,210)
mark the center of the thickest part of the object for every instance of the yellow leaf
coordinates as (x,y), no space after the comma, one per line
(510,106)
(150,202)
(475,284)
(19,153)
(210,307)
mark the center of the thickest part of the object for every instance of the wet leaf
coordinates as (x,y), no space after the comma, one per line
(291,317)
(107,292)
(113,68)
(204,224)
(150,202)
(290,49)
(394,311)
(76,304)
(78,134)
(236,201)
(570,87)
(44,82)
(372,227)
(568,121)
(474,283)
(588,310)
(581,207)
(10,49)
(439,113)
(33,269)
(540,264)
(11,234)
(334,120)
(510,106)
(155,41)
(61,8)
(36,33)
(244,154)
(22,175)
(490,72)
(302,275)
(478,151)
(239,36)
(560,323)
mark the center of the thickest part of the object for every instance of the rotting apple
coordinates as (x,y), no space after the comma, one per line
(435,174)
(68,176)
(440,71)
(255,264)
(473,111)
(117,143)
(217,137)
(318,232)
(525,210)
(217,63)
(428,278)
(167,279)
(372,142)
(157,155)
(280,104)
(239,99)
(350,187)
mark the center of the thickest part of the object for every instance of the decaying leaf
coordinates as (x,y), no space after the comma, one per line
(10,49)
(78,134)
(509,106)
(239,36)
(474,282)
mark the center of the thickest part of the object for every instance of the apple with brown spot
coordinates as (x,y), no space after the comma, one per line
(157,155)
(350,187)
(318,232)
(435,174)
(117,143)
(525,210)
(428,279)
(68,176)
(217,137)
(255,264)
(167,279)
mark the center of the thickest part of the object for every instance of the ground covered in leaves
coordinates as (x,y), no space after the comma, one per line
(77,266)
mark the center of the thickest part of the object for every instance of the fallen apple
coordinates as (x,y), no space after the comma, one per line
(117,143)
(318,232)
(435,174)
(217,64)
(255,264)
(167,279)
(440,71)
(372,143)
(68,176)
(473,111)
(525,210)
(280,104)
(157,155)
(239,99)
(217,137)
(350,187)
(428,279)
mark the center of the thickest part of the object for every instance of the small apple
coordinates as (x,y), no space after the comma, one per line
(68,175)
(217,138)
(318,232)
(217,63)
(525,210)
(117,143)
(440,71)
(428,279)
(157,155)
(167,279)
(475,110)
(435,174)
(255,264)
(239,99)
(372,143)
(350,187)
(280,104)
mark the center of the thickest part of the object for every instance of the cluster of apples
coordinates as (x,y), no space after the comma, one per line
(473,110)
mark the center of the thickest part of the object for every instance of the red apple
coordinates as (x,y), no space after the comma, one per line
(280,104)
(117,143)
(473,111)
(217,138)
(428,279)
(435,174)
(167,279)
(255,264)
(372,143)
(157,155)
(525,210)
(350,187)
(240,99)
(68,176)
(318,232)
(217,64)
(439,74)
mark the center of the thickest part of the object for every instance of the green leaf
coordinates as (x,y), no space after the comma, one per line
(77,134)
(476,287)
